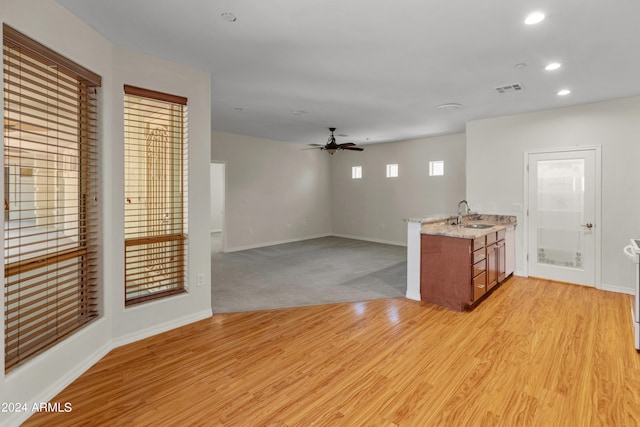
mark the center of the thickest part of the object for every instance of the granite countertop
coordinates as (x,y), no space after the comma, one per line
(443,226)
(429,218)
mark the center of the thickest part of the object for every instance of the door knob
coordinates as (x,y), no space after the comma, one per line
(588,225)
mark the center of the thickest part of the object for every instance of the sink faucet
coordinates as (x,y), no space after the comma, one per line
(466,210)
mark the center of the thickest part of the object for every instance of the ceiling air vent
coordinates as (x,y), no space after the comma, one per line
(510,88)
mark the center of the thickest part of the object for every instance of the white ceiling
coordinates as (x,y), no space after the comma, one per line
(377,70)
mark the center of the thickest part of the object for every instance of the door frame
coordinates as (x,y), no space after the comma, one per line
(598,205)
(223,234)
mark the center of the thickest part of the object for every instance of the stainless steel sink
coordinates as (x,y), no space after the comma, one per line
(478,226)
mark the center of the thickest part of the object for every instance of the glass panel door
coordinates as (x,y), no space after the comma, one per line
(562,216)
(560,212)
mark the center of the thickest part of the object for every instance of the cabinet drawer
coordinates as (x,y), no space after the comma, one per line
(478,243)
(479,285)
(501,234)
(479,267)
(478,256)
(491,238)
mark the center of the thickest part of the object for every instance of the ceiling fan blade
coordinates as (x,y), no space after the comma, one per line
(352,148)
(314,148)
(346,144)
(316,145)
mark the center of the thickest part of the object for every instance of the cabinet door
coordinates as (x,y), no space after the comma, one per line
(502,253)
(492,266)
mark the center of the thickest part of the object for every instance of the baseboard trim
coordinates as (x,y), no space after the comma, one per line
(369,239)
(54,389)
(603,287)
(163,327)
(413,296)
(278,242)
(617,289)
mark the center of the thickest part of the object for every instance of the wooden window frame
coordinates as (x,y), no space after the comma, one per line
(139,237)
(51,285)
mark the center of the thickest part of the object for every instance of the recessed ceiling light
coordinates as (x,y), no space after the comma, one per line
(228,16)
(564,92)
(553,66)
(521,65)
(452,106)
(299,112)
(239,109)
(534,18)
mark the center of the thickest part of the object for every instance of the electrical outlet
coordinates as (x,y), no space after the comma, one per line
(200,279)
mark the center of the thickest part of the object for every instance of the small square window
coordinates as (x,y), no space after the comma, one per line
(356,172)
(436,168)
(392,171)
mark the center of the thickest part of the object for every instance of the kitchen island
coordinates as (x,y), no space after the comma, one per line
(455,265)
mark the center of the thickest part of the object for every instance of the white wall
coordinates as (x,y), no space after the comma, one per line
(373,208)
(137,69)
(275,192)
(217,196)
(41,378)
(45,375)
(495,175)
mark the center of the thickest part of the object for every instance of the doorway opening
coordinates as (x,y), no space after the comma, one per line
(217,209)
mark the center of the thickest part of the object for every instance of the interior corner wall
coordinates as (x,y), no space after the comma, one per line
(44,376)
(41,378)
(275,192)
(373,208)
(495,171)
(138,69)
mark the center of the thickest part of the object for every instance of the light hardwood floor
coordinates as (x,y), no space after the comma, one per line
(534,353)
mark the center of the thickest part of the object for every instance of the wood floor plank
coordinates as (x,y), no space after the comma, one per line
(533,353)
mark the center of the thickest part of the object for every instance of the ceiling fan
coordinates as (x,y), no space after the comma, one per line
(332,146)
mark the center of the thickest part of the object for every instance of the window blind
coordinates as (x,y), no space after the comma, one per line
(155,194)
(50,197)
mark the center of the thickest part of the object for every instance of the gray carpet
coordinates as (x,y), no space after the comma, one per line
(315,271)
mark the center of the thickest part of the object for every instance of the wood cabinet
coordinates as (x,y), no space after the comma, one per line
(458,272)
(445,264)
(495,259)
(479,286)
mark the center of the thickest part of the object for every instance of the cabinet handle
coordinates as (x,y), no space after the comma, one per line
(480,286)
